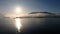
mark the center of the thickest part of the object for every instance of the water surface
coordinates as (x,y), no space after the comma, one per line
(30,25)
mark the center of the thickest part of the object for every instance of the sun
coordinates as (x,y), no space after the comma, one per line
(18,10)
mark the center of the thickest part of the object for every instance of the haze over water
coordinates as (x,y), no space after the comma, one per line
(29,16)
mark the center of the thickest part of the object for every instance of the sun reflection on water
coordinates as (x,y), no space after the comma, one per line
(18,24)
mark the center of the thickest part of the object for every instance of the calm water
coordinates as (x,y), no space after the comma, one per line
(30,25)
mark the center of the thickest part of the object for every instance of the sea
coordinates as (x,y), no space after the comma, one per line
(30,26)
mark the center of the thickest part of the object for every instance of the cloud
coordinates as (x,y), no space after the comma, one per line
(39,14)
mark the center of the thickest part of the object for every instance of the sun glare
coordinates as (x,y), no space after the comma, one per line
(18,24)
(18,10)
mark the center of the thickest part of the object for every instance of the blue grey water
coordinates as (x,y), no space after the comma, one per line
(44,25)
(30,25)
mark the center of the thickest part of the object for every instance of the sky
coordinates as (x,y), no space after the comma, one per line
(8,6)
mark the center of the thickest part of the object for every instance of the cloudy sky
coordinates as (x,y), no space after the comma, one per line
(8,6)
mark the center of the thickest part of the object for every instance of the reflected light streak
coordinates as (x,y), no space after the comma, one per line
(18,24)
